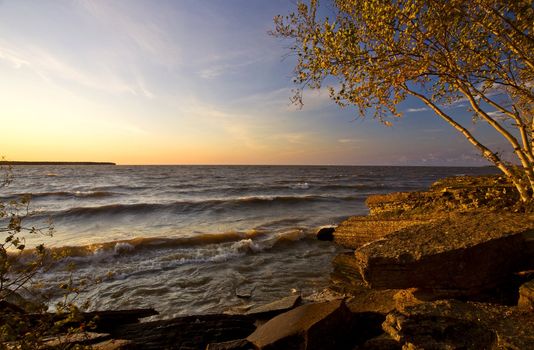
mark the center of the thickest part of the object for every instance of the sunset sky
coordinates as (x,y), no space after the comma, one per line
(185,82)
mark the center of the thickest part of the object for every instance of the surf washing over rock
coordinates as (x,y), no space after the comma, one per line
(183,239)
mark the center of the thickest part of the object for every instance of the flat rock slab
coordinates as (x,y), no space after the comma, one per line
(359,230)
(312,326)
(451,324)
(465,253)
(275,307)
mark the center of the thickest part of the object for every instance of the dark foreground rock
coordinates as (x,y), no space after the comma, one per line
(110,319)
(186,333)
(451,324)
(465,254)
(313,326)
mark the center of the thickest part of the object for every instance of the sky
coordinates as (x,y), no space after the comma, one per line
(186,82)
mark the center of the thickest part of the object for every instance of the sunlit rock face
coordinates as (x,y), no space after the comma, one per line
(466,253)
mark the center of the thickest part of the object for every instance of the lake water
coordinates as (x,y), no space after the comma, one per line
(182,239)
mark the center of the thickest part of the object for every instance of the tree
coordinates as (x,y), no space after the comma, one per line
(480,52)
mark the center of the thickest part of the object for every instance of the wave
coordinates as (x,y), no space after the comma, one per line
(193,206)
(62,194)
(149,243)
(182,250)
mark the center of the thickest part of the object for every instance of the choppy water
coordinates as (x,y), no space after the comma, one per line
(183,238)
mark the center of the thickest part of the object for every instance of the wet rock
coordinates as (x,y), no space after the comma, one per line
(326,234)
(451,324)
(359,230)
(276,307)
(526,296)
(312,326)
(463,254)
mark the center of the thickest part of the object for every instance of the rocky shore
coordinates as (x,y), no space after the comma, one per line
(447,268)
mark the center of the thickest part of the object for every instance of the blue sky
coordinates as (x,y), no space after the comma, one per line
(185,82)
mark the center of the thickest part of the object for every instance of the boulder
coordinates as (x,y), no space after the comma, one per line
(359,230)
(526,296)
(464,254)
(326,234)
(312,326)
(452,324)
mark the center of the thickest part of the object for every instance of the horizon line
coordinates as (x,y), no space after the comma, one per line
(6,162)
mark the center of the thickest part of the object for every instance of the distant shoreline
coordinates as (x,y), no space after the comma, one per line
(54,163)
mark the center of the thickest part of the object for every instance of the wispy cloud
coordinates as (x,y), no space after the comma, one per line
(496,114)
(138,28)
(415,110)
(58,70)
(345,141)
(219,69)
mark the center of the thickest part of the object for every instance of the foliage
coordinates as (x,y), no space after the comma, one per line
(477,52)
(24,320)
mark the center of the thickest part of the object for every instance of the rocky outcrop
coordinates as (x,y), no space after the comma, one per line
(464,254)
(452,324)
(526,296)
(360,230)
(312,326)
(459,193)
